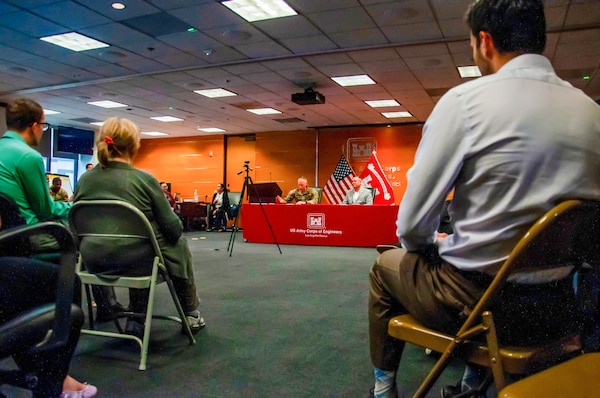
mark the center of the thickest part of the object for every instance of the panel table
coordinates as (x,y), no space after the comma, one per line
(321,225)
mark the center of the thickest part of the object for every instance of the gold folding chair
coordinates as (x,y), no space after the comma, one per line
(565,235)
(575,378)
(97,224)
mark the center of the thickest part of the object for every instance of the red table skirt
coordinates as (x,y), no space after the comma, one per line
(320,225)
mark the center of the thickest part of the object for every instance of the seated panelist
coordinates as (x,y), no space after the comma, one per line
(358,195)
(219,207)
(301,195)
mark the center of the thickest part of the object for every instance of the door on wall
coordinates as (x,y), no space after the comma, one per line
(240,149)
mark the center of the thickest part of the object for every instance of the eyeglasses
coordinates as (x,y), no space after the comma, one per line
(45,126)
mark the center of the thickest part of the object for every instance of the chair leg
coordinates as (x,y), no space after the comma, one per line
(184,323)
(435,373)
(148,322)
(88,297)
(494,350)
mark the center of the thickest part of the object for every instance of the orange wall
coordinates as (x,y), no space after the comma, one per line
(189,163)
(275,156)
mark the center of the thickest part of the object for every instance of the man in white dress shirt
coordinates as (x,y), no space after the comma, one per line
(512,144)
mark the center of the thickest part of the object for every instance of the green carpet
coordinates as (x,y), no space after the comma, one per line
(278,325)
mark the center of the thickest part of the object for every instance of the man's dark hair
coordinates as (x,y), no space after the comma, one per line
(515,25)
(56,179)
(22,113)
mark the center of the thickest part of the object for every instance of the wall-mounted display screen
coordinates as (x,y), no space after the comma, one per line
(73,140)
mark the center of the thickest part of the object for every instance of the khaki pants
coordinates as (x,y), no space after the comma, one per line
(441,297)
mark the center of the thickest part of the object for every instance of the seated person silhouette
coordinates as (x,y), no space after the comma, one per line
(219,207)
(165,190)
(17,277)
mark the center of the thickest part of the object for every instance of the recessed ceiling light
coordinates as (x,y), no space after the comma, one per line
(263,111)
(382,103)
(166,119)
(356,80)
(118,6)
(74,41)
(153,133)
(392,115)
(215,93)
(50,112)
(469,71)
(211,130)
(97,123)
(258,10)
(107,104)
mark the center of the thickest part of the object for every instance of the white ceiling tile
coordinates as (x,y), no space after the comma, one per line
(305,45)
(409,47)
(359,38)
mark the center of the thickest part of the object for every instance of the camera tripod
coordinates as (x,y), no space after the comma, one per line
(248,182)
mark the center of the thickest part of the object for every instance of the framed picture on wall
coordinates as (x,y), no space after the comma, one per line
(360,149)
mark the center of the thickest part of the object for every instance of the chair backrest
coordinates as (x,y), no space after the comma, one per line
(64,315)
(320,192)
(114,237)
(10,216)
(565,235)
(234,201)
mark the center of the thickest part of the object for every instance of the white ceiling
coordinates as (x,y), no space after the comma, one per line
(411,48)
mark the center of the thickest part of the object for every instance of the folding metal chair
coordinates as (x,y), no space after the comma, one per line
(565,235)
(97,225)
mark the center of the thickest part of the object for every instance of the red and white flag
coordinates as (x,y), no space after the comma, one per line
(340,182)
(374,177)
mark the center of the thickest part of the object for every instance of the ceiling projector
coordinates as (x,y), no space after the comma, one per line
(308,97)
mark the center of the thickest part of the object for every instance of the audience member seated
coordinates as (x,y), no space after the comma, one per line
(165,190)
(358,195)
(22,174)
(23,178)
(89,166)
(219,207)
(17,277)
(116,179)
(509,160)
(57,192)
(301,195)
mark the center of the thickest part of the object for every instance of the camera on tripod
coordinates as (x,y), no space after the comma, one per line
(246,167)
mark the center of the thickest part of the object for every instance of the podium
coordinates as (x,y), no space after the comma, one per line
(265,191)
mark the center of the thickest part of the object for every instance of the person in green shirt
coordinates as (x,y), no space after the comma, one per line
(22,174)
(22,177)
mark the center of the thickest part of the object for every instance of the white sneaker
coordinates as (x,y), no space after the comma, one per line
(195,321)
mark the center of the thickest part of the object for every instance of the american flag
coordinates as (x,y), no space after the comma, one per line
(340,182)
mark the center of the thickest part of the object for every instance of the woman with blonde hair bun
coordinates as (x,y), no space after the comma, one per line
(117,143)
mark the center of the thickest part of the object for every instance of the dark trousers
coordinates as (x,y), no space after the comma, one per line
(441,297)
(185,289)
(217,219)
(25,284)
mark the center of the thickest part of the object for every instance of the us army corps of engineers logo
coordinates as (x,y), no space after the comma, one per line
(315,221)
